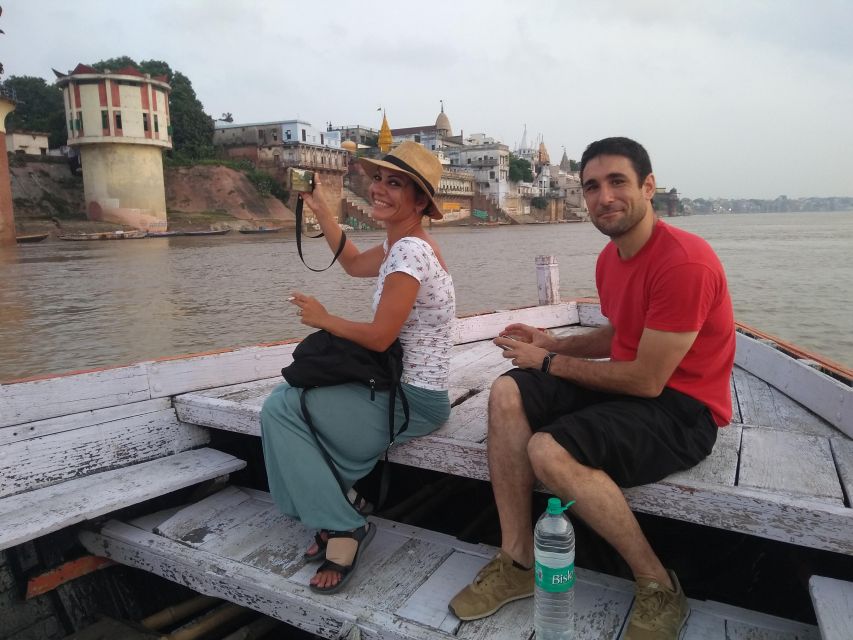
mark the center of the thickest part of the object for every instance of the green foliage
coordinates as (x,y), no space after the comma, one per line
(574,165)
(539,202)
(519,169)
(39,108)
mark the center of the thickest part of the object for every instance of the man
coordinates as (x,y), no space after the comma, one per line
(584,426)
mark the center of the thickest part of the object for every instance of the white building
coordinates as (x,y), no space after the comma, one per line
(488,160)
(273,133)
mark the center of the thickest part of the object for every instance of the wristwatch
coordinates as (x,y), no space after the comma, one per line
(546,361)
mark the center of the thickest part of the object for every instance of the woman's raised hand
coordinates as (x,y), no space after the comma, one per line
(315,200)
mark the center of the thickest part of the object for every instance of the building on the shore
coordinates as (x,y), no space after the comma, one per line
(30,143)
(488,160)
(281,144)
(118,121)
(274,146)
(666,202)
(361,136)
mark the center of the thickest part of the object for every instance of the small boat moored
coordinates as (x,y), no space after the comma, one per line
(206,232)
(29,239)
(261,229)
(104,235)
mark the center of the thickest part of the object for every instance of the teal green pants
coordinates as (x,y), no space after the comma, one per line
(353,429)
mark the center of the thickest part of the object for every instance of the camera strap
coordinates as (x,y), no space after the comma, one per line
(299,238)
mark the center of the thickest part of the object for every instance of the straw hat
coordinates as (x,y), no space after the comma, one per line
(416,162)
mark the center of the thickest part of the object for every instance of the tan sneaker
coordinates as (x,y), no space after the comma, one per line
(498,582)
(659,613)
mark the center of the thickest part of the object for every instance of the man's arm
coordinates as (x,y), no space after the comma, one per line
(593,344)
(658,355)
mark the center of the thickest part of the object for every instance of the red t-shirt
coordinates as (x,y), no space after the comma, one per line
(674,283)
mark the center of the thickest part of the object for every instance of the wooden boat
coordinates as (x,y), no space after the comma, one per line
(104,235)
(261,229)
(163,234)
(76,449)
(207,232)
(28,239)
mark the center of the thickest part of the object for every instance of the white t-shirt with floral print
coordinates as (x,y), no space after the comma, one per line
(425,335)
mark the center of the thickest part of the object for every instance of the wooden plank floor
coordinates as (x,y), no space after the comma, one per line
(237,546)
(778,471)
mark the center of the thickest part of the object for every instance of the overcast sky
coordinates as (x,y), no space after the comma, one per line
(732,98)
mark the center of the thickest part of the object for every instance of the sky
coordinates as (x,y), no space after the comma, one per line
(732,98)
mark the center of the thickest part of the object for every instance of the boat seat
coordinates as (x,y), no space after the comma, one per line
(61,471)
(833,604)
(77,446)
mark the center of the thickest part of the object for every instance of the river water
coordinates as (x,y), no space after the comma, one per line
(78,305)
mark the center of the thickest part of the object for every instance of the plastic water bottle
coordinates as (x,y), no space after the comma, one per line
(554,593)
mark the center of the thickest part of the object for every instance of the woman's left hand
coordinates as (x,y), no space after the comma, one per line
(311,311)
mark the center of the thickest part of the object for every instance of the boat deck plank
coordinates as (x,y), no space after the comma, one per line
(833,604)
(789,463)
(405,580)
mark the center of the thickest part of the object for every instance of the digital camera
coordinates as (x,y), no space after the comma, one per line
(299,180)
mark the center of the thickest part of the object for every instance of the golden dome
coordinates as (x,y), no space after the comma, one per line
(349,145)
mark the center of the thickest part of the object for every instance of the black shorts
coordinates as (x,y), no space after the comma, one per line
(634,440)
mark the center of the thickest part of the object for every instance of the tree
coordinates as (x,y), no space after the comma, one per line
(192,128)
(574,165)
(39,108)
(519,169)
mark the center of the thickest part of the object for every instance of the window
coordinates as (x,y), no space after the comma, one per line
(145,122)
(105,120)
(303,135)
(79,122)
(156,124)
(492,175)
(118,120)
(417,137)
(274,133)
(71,125)
(322,141)
(260,135)
(287,134)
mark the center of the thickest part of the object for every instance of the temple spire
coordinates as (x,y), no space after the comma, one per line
(385,137)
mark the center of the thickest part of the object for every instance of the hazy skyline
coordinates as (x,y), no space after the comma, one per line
(732,99)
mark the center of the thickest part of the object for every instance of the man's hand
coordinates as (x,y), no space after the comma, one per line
(524,355)
(530,335)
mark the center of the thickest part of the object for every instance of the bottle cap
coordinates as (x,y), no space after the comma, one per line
(555,506)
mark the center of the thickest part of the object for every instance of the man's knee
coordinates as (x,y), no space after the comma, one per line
(504,398)
(544,452)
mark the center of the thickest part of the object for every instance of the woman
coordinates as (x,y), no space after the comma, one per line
(414,300)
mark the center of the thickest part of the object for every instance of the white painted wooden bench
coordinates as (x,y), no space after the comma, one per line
(780,471)
(236,545)
(76,447)
(833,604)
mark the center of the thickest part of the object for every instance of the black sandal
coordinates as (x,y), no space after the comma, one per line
(363,537)
(321,546)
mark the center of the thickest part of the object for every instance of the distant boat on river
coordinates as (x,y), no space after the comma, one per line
(207,232)
(261,230)
(163,234)
(35,237)
(105,235)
